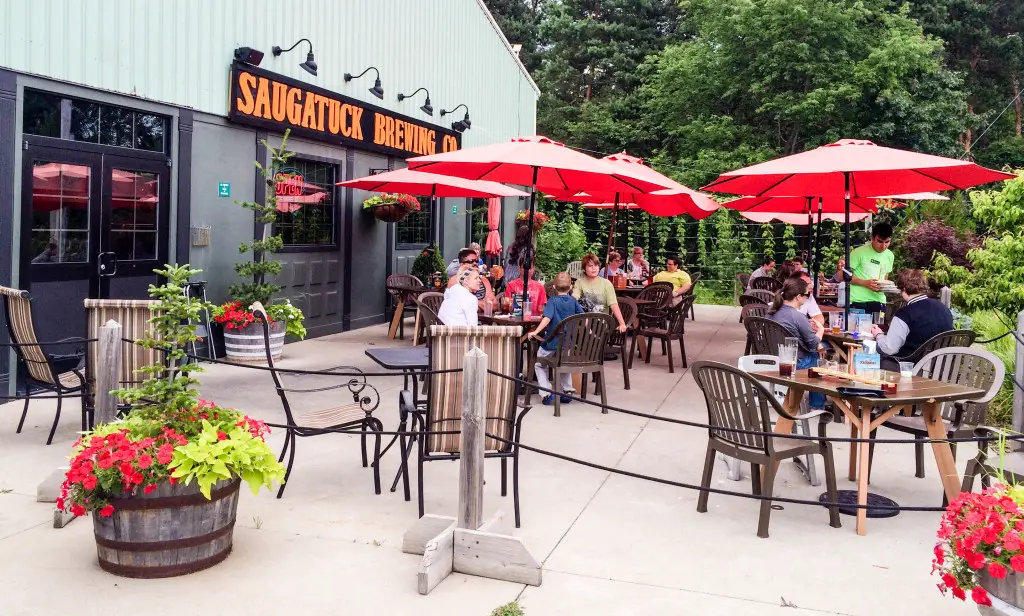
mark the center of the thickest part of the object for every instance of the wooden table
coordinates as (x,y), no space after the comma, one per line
(628,291)
(839,342)
(928,393)
(405,294)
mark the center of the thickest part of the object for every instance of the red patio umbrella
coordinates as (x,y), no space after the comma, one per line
(799,219)
(431,185)
(493,244)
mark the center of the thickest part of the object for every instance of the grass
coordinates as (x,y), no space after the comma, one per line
(509,609)
(988,326)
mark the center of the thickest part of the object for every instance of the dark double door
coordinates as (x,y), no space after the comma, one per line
(94,225)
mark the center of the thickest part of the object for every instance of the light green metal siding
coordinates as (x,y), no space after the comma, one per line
(179,51)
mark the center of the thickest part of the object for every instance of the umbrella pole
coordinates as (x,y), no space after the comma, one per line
(816,257)
(846,195)
(525,272)
(611,236)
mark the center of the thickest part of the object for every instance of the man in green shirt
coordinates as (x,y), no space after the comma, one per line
(870,264)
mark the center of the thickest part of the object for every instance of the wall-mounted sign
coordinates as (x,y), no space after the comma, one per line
(275,102)
(224,189)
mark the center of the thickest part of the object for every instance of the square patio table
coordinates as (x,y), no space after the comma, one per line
(917,390)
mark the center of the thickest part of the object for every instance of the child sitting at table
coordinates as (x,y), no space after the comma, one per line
(557,310)
(538,296)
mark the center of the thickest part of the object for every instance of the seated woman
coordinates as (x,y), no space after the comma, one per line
(918,320)
(786,312)
(538,296)
(614,267)
(792,269)
(466,261)
(460,305)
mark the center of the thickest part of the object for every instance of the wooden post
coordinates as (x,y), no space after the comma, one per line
(108,371)
(1018,375)
(471,447)
(946,296)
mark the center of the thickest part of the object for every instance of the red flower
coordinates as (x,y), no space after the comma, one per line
(127,470)
(77,510)
(980,596)
(149,488)
(997,571)
(172,480)
(145,461)
(165,453)
(106,511)
(1011,541)
(940,554)
(949,580)
(105,460)
(89,482)
(975,560)
(1017,562)
(221,436)
(959,593)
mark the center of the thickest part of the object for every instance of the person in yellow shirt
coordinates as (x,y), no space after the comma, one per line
(680,280)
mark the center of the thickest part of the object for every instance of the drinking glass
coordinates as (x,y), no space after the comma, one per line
(832,365)
(906,369)
(488,308)
(787,359)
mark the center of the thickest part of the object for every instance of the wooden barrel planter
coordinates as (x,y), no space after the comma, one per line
(171,531)
(1007,594)
(391,212)
(247,345)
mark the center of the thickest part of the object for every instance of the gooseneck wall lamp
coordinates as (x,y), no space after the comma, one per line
(461,125)
(309,65)
(376,90)
(427,107)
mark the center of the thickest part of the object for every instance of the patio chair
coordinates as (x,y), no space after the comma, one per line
(659,295)
(674,329)
(765,335)
(442,411)
(629,311)
(581,342)
(350,415)
(432,300)
(133,315)
(765,297)
(740,286)
(60,374)
(961,366)
(765,283)
(751,300)
(954,338)
(752,310)
(396,282)
(691,293)
(736,400)
(574,269)
(1008,465)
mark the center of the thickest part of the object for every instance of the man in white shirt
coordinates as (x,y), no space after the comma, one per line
(460,304)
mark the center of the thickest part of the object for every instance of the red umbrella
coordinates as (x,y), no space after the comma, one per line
(799,219)
(430,185)
(828,204)
(493,244)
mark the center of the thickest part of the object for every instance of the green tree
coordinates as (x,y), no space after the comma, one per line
(519,21)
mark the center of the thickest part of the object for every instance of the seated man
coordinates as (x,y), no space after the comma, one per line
(680,280)
(453,267)
(766,269)
(918,320)
(538,296)
(614,267)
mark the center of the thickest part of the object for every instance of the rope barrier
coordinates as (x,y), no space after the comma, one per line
(43,344)
(996,339)
(694,424)
(411,434)
(313,372)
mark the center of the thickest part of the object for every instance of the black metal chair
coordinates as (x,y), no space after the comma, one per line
(765,283)
(737,401)
(357,414)
(675,329)
(61,374)
(581,343)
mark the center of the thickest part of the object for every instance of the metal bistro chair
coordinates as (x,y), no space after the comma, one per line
(752,310)
(60,374)
(396,282)
(581,343)
(765,283)
(675,329)
(355,414)
(961,366)
(443,409)
(629,311)
(736,400)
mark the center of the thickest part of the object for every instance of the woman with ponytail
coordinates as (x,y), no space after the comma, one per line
(785,311)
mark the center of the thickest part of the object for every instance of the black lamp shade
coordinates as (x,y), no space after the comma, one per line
(427,107)
(377,90)
(466,121)
(310,64)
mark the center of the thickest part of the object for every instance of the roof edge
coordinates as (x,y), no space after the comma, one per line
(508,46)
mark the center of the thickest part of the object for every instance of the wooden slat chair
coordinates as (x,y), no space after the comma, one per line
(582,339)
(60,374)
(133,315)
(357,414)
(736,400)
(992,462)
(442,411)
(407,281)
(675,329)
(765,283)
(752,310)
(963,366)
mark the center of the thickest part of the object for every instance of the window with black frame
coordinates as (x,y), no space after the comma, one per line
(52,115)
(415,229)
(307,204)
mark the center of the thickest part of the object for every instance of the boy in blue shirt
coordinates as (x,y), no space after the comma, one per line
(557,309)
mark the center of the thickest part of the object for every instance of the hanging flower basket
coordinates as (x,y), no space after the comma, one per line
(539,219)
(391,207)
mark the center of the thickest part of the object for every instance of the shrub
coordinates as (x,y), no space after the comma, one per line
(923,240)
(558,244)
(427,262)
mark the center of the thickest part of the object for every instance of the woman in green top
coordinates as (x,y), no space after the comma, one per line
(870,264)
(597,294)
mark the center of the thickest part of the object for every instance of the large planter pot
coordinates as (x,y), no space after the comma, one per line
(247,344)
(390,213)
(171,531)
(1007,594)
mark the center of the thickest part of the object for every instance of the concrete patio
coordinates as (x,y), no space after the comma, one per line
(609,544)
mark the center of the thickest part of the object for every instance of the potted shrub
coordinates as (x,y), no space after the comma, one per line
(243,339)
(162,483)
(388,207)
(430,267)
(980,551)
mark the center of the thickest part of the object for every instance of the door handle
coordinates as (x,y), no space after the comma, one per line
(107,264)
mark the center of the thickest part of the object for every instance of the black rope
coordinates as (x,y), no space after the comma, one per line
(690,486)
(803,437)
(43,344)
(411,434)
(316,372)
(996,339)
